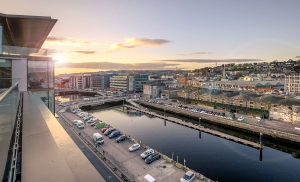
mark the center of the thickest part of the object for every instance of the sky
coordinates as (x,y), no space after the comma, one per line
(168,34)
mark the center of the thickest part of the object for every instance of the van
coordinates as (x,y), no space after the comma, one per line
(98,138)
(80,124)
(149,178)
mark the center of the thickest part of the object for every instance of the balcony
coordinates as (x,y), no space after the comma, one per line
(22,51)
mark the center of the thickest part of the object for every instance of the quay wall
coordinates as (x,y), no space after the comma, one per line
(249,128)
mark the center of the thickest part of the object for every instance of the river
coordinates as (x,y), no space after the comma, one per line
(214,157)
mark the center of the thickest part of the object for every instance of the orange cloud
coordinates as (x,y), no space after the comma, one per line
(137,42)
(69,41)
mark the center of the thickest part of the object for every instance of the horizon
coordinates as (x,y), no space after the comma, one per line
(169,34)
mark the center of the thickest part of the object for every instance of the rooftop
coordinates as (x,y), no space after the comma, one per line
(25,31)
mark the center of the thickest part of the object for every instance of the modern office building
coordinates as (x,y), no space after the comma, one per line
(33,144)
(140,81)
(21,56)
(122,83)
(100,81)
(292,84)
(80,81)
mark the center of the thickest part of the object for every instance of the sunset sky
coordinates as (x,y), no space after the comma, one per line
(165,34)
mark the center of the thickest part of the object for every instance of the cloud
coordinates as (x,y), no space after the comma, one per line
(194,53)
(69,41)
(137,42)
(297,57)
(117,66)
(211,60)
(55,51)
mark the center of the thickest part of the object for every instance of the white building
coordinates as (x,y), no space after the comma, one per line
(292,84)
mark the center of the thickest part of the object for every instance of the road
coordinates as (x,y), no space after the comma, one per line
(105,172)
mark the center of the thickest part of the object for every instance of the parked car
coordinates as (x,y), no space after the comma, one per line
(114,134)
(99,125)
(121,138)
(188,176)
(104,130)
(92,120)
(241,118)
(146,153)
(152,157)
(134,147)
(109,131)
(80,124)
(75,121)
(94,123)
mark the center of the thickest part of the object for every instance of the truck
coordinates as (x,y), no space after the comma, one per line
(98,138)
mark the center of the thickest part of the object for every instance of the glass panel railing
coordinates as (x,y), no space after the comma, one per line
(23,51)
(9,100)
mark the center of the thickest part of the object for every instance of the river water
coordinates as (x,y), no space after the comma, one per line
(214,157)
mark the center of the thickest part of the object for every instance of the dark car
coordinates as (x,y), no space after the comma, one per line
(152,157)
(222,114)
(121,138)
(109,131)
(114,134)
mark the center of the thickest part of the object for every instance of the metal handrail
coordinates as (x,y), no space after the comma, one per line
(8,90)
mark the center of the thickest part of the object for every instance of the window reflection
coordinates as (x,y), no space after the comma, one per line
(38,75)
(5,72)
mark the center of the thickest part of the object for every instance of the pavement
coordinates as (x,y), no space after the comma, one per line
(131,163)
(271,124)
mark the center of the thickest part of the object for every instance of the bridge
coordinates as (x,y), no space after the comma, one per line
(97,101)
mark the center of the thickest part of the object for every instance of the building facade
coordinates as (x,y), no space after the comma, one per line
(292,84)
(152,90)
(22,57)
(140,81)
(122,83)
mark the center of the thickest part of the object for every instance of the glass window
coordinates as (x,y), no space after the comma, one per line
(51,72)
(37,75)
(5,72)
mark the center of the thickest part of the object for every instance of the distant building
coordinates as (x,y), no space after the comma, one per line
(182,80)
(122,83)
(153,90)
(140,81)
(100,81)
(80,81)
(292,84)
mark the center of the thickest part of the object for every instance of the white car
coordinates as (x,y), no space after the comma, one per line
(188,176)
(148,152)
(241,118)
(75,121)
(134,147)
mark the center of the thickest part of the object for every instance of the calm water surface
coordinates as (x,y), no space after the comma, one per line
(214,157)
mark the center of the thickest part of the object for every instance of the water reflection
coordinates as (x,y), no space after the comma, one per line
(216,158)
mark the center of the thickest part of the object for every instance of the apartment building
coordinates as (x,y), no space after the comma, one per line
(292,84)
(23,59)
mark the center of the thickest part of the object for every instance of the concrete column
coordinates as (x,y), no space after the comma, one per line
(1,39)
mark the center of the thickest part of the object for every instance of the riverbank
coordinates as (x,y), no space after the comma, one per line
(245,127)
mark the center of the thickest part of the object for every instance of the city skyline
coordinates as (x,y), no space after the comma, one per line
(169,34)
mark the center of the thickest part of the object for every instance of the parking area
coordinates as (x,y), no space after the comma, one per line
(131,163)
